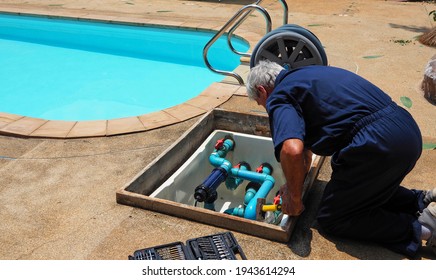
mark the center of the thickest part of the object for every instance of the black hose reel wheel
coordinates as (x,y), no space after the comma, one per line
(291,46)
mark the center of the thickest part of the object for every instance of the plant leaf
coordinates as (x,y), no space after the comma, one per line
(429,146)
(372,56)
(406,101)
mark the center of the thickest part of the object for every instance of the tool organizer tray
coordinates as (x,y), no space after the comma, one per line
(171,251)
(221,246)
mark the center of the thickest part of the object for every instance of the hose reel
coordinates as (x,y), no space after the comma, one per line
(291,46)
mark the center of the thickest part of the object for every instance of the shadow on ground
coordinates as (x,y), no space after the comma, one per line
(417,29)
(302,241)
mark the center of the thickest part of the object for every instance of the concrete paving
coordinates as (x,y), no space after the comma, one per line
(57,197)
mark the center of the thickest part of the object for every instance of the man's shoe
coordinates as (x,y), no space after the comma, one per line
(428,219)
(430,196)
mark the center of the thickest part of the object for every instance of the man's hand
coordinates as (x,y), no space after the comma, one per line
(290,205)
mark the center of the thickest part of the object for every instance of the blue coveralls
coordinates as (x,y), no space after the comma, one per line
(373,143)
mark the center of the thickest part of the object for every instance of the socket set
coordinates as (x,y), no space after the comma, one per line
(222,246)
(172,251)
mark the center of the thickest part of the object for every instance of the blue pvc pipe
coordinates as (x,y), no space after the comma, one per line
(233,182)
(265,188)
(250,175)
(207,190)
(249,194)
(237,211)
(217,159)
(267,184)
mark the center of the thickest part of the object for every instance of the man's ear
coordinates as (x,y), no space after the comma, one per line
(262,91)
(260,88)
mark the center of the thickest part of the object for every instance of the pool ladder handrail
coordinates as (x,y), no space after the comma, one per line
(235,22)
(232,30)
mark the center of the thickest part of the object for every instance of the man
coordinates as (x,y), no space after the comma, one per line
(373,143)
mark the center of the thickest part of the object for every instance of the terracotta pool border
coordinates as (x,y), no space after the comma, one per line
(215,95)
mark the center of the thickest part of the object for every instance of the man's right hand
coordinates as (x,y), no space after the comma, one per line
(290,205)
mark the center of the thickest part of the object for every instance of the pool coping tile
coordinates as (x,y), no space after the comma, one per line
(184,111)
(241,91)
(205,102)
(88,129)
(23,126)
(165,22)
(6,118)
(54,129)
(157,119)
(124,125)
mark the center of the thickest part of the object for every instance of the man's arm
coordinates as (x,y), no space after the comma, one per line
(295,162)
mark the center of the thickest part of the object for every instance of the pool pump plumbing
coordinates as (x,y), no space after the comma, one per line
(261,182)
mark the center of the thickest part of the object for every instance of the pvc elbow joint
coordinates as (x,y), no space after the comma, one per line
(235,211)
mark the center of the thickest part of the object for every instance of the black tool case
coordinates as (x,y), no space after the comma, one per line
(221,246)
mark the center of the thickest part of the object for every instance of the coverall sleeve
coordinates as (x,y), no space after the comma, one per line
(286,123)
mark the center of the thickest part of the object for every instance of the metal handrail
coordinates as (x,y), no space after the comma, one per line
(232,30)
(243,10)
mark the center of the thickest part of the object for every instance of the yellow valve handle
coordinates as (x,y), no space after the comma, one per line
(271,207)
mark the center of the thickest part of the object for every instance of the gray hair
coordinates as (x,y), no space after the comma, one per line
(263,74)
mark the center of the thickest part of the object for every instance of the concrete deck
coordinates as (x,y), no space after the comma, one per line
(57,196)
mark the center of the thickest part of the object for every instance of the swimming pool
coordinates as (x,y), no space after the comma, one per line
(59,69)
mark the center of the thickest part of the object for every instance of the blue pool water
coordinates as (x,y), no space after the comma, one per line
(80,70)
